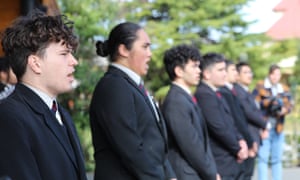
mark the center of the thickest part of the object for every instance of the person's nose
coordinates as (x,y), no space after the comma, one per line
(73,61)
(149,52)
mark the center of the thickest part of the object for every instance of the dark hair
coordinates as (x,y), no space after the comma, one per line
(240,65)
(228,63)
(210,59)
(272,68)
(32,34)
(179,56)
(124,33)
(4,66)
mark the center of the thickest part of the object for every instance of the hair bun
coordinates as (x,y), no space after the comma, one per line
(102,48)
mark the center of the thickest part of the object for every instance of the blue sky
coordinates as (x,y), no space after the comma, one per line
(261,11)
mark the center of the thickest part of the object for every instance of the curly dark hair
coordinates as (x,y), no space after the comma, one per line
(179,56)
(32,34)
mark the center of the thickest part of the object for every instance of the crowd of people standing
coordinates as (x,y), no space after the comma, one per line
(210,126)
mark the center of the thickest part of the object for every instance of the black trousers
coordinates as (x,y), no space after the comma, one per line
(249,168)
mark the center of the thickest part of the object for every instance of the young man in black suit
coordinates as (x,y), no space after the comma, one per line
(129,133)
(190,154)
(230,95)
(257,125)
(37,136)
(224,137)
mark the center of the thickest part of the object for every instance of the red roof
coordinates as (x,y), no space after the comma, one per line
(288,26)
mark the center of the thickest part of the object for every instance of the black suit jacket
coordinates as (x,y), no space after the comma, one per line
(128,140)
(238,114)
(251,111)
(34,145)
(190,154)
(223,134)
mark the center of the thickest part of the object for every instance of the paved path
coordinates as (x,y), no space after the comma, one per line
(288,174)
(292,173)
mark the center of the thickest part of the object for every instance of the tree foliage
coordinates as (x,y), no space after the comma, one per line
(212,26)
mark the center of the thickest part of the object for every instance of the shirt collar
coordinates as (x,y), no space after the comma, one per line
(46,98)
(267,83)
(215,89)
(132,75)
(229,85)
(244,87)
(182,87)
(277,87)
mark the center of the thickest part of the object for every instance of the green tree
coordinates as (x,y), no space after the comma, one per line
(215,25)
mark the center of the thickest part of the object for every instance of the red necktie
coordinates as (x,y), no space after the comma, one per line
(54,107)
(194,99)
(233,91)
(141,86)
(218,94)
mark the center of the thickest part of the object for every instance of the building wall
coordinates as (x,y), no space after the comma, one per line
(11,9)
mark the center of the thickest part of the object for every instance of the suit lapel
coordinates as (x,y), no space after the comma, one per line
(224,104)
(197,109)
(248,95)
(198,115)
(60,135)
(161,124)
(73,140)
(202,123)
(230,100)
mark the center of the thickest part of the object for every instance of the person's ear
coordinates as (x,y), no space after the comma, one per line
(206,74)
(178,71)
(123,51)
(3,77)
(34,63)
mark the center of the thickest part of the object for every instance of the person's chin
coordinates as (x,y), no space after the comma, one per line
(196,83)
(68,88)
(144,73)
(221,84)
